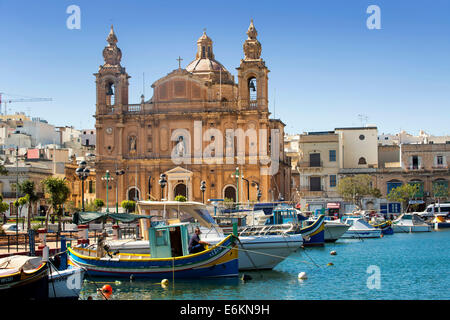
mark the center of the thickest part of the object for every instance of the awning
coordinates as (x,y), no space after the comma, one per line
(86,217)
(333,205)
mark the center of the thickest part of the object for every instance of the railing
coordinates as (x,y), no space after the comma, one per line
(253,104)
(310,164)
(440,166)
(414,167)
(134,108)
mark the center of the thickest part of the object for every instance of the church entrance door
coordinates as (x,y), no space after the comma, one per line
(180,189)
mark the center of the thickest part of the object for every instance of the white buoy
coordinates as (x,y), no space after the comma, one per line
(302,276)
(45,253)
(333,253)
(164,283)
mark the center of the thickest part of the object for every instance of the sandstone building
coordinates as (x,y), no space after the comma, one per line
(183,130)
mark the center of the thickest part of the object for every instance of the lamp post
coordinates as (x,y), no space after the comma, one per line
(118,173)
(236,175)
(162,183)
(203,189)
(258,190)
(248,188)
(82,172)
(107,177)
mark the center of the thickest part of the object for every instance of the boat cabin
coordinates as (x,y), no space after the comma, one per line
(169,241)
(285,214)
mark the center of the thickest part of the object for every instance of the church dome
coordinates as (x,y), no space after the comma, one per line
(205,65)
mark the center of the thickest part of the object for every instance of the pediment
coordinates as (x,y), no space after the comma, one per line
(178,171)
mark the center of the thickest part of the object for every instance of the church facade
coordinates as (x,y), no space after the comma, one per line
(200,125)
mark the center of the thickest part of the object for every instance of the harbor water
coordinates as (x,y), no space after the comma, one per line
(408,266)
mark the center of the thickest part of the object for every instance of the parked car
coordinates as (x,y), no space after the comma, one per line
(10,227)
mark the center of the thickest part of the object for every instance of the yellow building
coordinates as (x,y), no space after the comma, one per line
(199,125)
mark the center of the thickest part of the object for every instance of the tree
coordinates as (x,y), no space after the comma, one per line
(356,188)
(3,206)
(3,171)
(440,192)
(99,203)
(27,187)
(58,192)
(404,194)
(128,205)
(180,198)
(19,203)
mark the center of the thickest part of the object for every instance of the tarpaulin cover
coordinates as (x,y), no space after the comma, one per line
(86,217)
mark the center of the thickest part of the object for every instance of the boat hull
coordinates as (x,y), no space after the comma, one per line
(409,228)
(359,234)
(314,234)
(334,231)
(65,284)
(23,285)
(219,261)
(266,252)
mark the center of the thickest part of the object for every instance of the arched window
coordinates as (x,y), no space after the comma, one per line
(180,190)
(133,194)
(252,91)
(362,160)
(110,93)
(230,193)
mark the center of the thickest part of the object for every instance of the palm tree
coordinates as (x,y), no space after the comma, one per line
(27,187)
(59,193)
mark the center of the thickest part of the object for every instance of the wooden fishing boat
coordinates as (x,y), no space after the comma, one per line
(384,226)
(23,278)
(168,257)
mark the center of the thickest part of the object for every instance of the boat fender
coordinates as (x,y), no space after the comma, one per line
(131,277)
(164,283)
(333,253)
(302,276)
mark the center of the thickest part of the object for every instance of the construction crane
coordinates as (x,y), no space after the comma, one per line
(6,101)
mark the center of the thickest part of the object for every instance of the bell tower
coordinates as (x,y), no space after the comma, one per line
(111,80)
(253,75)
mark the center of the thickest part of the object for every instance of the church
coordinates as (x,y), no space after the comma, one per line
(200,125)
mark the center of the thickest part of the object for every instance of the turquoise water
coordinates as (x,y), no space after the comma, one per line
(411,266)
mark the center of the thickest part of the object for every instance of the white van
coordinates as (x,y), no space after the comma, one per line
(433,209)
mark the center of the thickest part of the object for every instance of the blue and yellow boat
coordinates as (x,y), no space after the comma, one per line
(168,258)
(313,231)
(385,227)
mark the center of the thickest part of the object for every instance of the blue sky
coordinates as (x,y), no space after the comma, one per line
(326,65)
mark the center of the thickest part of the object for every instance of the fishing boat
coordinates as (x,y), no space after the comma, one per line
(257,251)
(359,228)
(168,257)
(23,278)
(312,230)
(385,227)
(408,222)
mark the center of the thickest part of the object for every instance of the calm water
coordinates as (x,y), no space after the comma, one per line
(412,266)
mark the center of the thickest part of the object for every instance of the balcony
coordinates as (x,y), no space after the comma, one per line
(440,167)
(310,166)
(308,191)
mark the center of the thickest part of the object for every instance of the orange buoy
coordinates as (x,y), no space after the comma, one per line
(107,289)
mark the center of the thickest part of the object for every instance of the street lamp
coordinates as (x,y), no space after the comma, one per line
(162,183)
(107,177)
(236,175)
(82,172)
(118,173)
(258,190)
(248,188)
(203,189)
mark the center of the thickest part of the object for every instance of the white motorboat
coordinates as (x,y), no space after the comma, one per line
(65,284)
(359,228)
(258,251)
(334,229)
(408,222)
